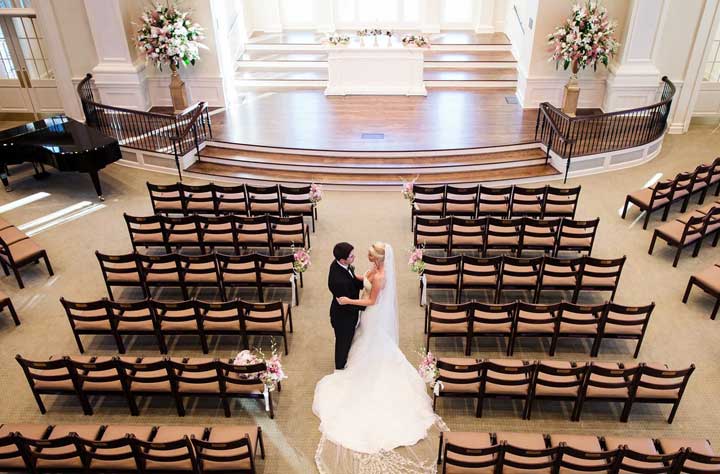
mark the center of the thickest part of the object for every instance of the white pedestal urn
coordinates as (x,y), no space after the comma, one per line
(178,93)
(572,92)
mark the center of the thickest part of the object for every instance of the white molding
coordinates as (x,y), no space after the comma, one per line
(531,92)
(200,89)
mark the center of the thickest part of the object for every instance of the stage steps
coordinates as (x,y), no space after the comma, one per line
(297,59)
(510,164)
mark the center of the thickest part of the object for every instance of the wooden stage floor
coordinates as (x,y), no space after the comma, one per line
(444,120)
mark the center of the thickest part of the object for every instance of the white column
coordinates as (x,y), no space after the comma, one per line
(485,16)
(634,79)
(120,80)
(687,96)
(58,59)
(430,16)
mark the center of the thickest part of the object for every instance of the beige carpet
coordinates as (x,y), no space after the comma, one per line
(678,334)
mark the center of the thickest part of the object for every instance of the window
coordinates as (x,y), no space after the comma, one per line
(298,13)
(377,13)
(15,4)
(458,12)
(712,61)
(7,68)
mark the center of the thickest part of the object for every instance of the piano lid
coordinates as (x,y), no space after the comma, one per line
(59,135)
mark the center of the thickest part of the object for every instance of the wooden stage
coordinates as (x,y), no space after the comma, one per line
(444,120)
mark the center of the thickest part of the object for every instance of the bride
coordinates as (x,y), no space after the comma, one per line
(378,402)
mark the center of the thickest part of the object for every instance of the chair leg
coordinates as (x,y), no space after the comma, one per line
(715,309)
(673,411)
(285,344)
(119,343)
(688,289)
(81,349)
(652,243)
(39,402)
(4,267)
(47,263)
(666,212)
(16,272)
(478,410)
(625,208)
(13,314)
(677,256)
(226,407)
(132,405)
(647,219)
(625,415)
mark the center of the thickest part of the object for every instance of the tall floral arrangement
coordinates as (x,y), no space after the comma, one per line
(585,39)
(167,35)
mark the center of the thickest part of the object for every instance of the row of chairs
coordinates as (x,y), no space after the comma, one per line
(691,230)
(504,202)
(664,194)
(208,233)
(187,272)
(510,321)
(130,377)
(241,199)
(17,250)
(143,449)
(576,382)
(161,320)
(707,280)
(462,273)
(506,453)
(519,235)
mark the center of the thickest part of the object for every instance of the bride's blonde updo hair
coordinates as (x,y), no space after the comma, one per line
(377,250)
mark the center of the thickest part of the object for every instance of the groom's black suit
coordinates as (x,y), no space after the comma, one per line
(344,318)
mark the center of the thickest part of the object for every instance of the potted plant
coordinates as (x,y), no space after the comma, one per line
(168,36)
(585,39)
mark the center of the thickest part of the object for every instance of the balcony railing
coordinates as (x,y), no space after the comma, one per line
(175,134)
(570,137)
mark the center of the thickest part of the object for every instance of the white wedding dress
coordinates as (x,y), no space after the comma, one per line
(378,403)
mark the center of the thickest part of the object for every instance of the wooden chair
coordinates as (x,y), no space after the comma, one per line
(277,272)
(448,320)
(576,236)
(182,232)
(561,202)
(524,452)
(253,232)
(266,319)
(263,199)
(177,318)
(442,273)
(557,381)
(506,378)
(219,319)
(623,322)
(533,320)
(458,378)
(229,449)
(199,271)
(680,234)
(199,198)
(528,201)
(640,455)
(518,274)
(147,377)
(583,453)
(295,201)
(502,234)
(684,183)
(491,320)
(609,382)
(701,181)
(15,254)
(112,451)
(598,274)
(467,234)
(12,452)
(146,231)
(91,318)
(660,384)
(714,174)
(166,198)
(5,302)
(429,202)
(541,235)
(161,271)
(238,271)
(558,274)
(579,322)
(461,201)
(699,456)
(469,452)
(170,450)
(50,377)
(651,199)
(60,452)
(135,318)
(196,377)
(479,274)
(219,232)
(97,376)
(243,381)
(432,233)
(709,281)
(494,202)
(121,270)
(288,232)
(232,200)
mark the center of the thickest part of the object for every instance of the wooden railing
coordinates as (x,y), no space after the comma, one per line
(570,137)
(161,133)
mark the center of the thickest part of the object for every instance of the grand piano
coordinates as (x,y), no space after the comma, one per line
(60,142)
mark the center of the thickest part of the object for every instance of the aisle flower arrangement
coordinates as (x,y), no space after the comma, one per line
(338,39)
(416,262)
(274,372)
(301,261)
(585,39)
(429,371)
(316,193)
(168,36)
(418,40)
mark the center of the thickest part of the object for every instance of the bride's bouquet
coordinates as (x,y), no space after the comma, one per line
(301,260)
(429,372)
(416,260)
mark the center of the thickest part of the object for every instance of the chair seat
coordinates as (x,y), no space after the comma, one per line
(586,443)
(673,231)
(503,240)
(597,282)
(620,393)
(491,328)
(472,440)
(499,389)
(710,278)
(539,241)
(172,433)
(84,431)
(429,207)
(468,388)
(24,251)
(622,330)
(640,445)
(571,328)
(282,278)
(141,326)
(545,390)
(559,281)
(642,199)
(480,280)
(524,281)
(575,242)
(432,239)
(468,207)
(190,326)
(530,441)
(467,240)
(114,432)
(448,280)
(454,328)
(34,431)
(290,208)
(243,389)
(269,207)
(225,434)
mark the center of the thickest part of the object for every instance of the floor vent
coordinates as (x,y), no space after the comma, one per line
(511,99)
(373,136)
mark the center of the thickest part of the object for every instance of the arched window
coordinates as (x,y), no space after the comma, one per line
(298,13)
(377,13)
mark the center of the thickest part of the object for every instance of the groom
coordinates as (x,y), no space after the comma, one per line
(344,318)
